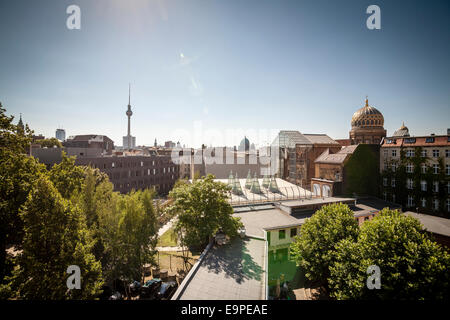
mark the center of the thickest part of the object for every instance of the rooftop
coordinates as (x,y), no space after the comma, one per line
(234,271)
(256,222)
(432,224)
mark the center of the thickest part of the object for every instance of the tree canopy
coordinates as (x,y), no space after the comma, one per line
(55,237)
(412,265)
(202,208)
(313,248)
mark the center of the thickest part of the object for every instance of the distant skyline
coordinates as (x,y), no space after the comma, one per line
(229,65)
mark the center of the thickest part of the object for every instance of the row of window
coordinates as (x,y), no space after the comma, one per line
(135,164)
(411,153)
(423,168)
(423,202)
(423,185)
(282,233)
(141,183)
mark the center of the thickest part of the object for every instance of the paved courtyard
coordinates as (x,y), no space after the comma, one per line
(231,272)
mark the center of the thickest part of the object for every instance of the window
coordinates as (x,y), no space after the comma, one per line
(423,168)
(423,185)
(293,232)
(436,204)
(142,163)
(393,183)
(113,165)
(410,153)
(394,153)
(282,234)
(429,140)
(385,153)
(448,187)
(409,168)
(393,198)
(447,169)
(410,201)
(384,196)
(409,140)
(447,153)
(394,167)
(409,183)
(435,186)
(436,153)
(435,168)
(448,205)
(385,182)
(423,202)
(424,153)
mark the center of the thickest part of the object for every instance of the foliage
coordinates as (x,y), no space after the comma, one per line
(412,265)
(417,175)
(49,143)
(128,230)
(18,174)
(362,171)
(202,208)
(313,248)
(55,237)
(67,177)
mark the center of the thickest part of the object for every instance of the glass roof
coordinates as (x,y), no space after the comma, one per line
(288,139)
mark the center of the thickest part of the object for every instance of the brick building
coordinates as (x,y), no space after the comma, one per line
(415,172)
(297,153)
(137,171)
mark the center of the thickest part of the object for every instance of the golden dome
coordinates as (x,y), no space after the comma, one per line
(367,116)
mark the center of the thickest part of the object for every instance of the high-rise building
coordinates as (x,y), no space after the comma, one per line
(60,134)
(129,142)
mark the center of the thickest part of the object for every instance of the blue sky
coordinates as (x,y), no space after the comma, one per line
(294,65)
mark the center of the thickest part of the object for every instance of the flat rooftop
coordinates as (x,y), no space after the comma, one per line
(256,222)
(234,271)
(314,201)
(432,224)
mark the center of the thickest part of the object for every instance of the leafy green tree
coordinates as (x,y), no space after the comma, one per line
(128,228)
(67,177)
(412,266)
(55,237)
(49,143)
(313,248)
(202,209)
(18,173)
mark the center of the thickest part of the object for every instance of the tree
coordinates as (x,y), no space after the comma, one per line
(202,208)
(67,177)
(55,238)
(313,248)
(412,265)
(18,173)
(128,230)
(49,143)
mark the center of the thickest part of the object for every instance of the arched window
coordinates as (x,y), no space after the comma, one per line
(326,191)
(316,190)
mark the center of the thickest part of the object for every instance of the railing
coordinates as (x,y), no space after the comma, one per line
(285,193)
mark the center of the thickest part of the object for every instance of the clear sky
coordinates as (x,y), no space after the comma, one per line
(229,64)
